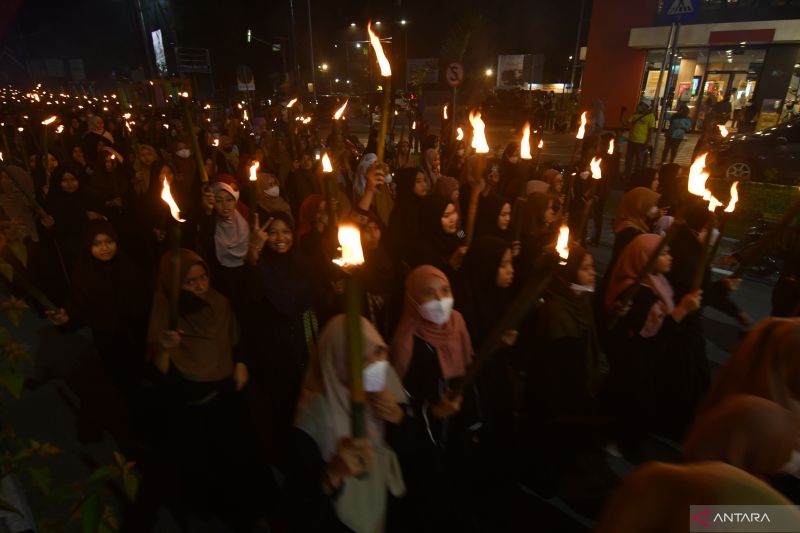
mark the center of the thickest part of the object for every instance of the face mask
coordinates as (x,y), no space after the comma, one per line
(437,311)
(184,153)
(273,192)
(580,289)
(375,376)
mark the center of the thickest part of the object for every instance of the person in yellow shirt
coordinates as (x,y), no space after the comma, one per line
(641,124)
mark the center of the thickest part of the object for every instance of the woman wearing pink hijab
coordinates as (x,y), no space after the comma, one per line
(658,374)
(431,349)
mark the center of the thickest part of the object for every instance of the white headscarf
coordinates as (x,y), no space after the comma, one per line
(360,182)
(324,414)
(232,235)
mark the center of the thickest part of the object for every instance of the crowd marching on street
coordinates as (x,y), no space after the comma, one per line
(303,333)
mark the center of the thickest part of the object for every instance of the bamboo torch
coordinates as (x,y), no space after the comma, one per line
(478,165)
(175,255)
(581,133)
(353,257)
(327,173)
(254,189)
(597,175)
(724,216)
(189,125)
(45,156)
(518,309)
(386,74)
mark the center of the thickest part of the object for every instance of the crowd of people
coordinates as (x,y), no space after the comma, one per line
(238,408)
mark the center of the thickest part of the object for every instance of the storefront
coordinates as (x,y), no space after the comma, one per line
(753,67)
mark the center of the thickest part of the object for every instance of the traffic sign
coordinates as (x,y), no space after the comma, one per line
(681,7)
(454,74)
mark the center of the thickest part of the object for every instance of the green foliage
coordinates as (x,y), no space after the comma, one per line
(63,502)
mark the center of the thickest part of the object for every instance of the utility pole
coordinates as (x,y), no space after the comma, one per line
(145,42)
(577,54)
(311,52)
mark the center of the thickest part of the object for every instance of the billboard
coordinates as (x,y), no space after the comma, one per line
(160,55)
(511,72)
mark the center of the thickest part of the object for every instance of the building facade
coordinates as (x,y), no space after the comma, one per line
(742,52)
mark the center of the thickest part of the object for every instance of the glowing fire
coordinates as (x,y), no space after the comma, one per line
(291,102)
(174,210)
(444,112)
(414,125)
(734,197)
(582,128)
(698,176)
(60,128)
(459,134)
(597,173)
(541,144)
(525,143)
(478,133)
(611,147)
(562,245)
(49,120)
(340,111)
(126,116)
(326,163)
(244,115)
(723,130)
(254,171)
(215,143)
(386,68)
(307,120)
(350,241)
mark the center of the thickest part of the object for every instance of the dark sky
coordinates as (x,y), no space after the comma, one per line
(104,33)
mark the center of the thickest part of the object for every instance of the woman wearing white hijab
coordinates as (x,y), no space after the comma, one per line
(337,474)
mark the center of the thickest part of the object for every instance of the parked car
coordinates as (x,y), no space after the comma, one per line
(770,155)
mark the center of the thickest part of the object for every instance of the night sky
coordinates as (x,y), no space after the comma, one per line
(105,34)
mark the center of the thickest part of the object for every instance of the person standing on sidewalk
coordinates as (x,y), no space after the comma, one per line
(678,126)
(641,123)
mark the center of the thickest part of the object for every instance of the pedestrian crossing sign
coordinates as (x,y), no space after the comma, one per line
(681,7)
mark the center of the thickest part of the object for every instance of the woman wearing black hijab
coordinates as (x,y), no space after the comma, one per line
(438,244)
(538,231)
(412,188)
(279,323)
(494,218)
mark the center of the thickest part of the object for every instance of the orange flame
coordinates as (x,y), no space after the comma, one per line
(126,116)
(734,198)
(254,170)
(444,112)
(244,115)
(525,143)
(326,163)
(215,142)
(541,144)
(386,68)
(414,125)
(291,102)
(340,111)
(562,245)
(174,210)
(611,147)
(350,241)
(713,203)
(698,176)
(723,130)
(60,128)
(597,172)
(582,128)
(478,133)
(49,120)
(459,134)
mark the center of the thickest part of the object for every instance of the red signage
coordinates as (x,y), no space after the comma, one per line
(741,36)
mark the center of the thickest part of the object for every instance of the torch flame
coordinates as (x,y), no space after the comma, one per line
(478,135)
(215,143)
(126,116)
(386,68)
(597,172)
(244,115)
(307,120)
(340,111)
(713,203)
(444,112)
(254,171)
(414,125)
(734,197)
(60,128)
(723,130)
(459,134)
(698,176)
(610,147)
(541,144)
(174,210)
(525,143)
(350,241)
(291,102)
(562,245)
(49,120)
(582,128)
(326,163)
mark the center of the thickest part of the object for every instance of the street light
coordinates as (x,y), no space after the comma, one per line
(489,72)
(352,24)
(403,22)
(358,45)
(324,66)
(377,22)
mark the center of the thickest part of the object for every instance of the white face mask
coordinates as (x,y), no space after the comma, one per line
(375,376)
(183,153)
(437,311)
(273,192)
(580,289)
